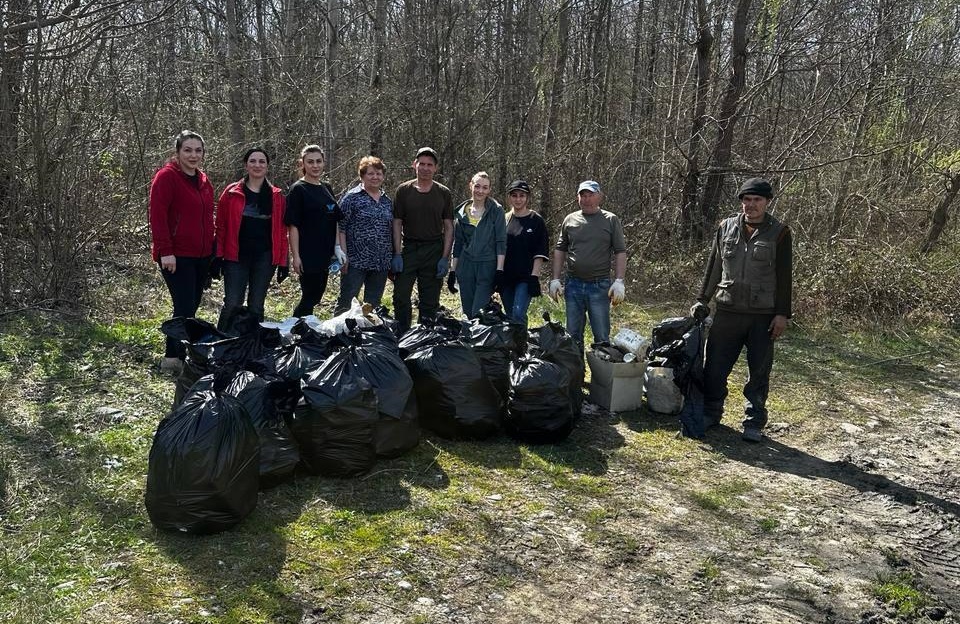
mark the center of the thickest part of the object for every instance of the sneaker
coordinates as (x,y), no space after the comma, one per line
(752,435)
(171,365)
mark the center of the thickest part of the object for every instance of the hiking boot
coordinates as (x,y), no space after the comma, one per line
(171,366)
(752,435)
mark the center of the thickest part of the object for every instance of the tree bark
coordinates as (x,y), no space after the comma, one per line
(556,102)
(234,74)
(376,76)
(330,70)
(726,119)
(941,213)
(692,225)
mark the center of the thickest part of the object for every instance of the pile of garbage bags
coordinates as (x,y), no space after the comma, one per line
(260,402)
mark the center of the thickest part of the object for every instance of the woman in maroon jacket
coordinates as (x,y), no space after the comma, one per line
(181,223)
(251,238)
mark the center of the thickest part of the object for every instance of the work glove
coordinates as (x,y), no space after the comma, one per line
(533,285)
(452,282)
(699,311)
(443,264)
(556,289)
(498,281)
(216,268)
(282,273)
(396,265)
(617,292)
(340,255)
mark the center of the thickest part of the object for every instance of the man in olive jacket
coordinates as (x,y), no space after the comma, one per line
(750,274)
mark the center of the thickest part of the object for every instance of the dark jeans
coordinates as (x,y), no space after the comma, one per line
(516,301)
(248,277)
(373,283)
(312,287)
(420,266)
(186,291)
(584,298)
(729,334)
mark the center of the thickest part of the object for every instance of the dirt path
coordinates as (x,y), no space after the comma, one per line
(800,536)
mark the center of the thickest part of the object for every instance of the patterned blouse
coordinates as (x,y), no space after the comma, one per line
(368,226)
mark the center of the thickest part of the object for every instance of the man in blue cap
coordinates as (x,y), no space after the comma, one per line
(591,239)
(750,274)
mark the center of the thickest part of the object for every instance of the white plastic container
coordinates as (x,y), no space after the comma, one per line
(632,342)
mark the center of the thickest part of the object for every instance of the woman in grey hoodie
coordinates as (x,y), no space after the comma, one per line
(479,246)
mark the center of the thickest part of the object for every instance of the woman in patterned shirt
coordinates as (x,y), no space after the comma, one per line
(365,236)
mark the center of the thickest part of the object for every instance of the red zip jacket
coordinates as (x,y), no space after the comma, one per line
(181,214)
(230,215)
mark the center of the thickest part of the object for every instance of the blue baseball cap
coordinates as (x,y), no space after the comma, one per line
(589,185)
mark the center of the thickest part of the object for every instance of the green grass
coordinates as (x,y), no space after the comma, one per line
(900,590)
(82,398)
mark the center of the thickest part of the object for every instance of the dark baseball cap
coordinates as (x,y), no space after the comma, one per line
(519,185)
(428,151)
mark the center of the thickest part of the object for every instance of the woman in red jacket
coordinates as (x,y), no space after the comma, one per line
(181,224)
(251,238)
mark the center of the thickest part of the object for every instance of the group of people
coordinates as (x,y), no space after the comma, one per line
(478,247)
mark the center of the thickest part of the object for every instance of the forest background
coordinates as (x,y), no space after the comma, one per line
(851,108)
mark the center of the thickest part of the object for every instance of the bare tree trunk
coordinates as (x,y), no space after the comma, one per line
(234,75)
(941,213)
(691,224)
(376,76)
(726,119)
(330,69)
(12,60)
(556,101)
(265,122)
(508,94)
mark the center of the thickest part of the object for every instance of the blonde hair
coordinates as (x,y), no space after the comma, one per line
(478,175)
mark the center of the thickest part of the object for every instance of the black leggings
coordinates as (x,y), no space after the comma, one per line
(186,289)
(312,287)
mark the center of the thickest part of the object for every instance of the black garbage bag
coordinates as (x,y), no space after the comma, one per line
(203,471)
(496,343)
(679,344)
(670,330)
(552,343)
(389,323)
(398,427)
(209,350)
(286,367)
(429,333)
(454,397)
(539,410)
(336,420)
(188,329)
(279,454)
(239,322)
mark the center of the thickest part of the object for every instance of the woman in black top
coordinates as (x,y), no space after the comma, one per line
(312,216)
(527,248)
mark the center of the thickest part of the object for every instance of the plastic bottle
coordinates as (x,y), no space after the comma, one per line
(335,266)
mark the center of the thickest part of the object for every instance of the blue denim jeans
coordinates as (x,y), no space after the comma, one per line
(372,282)
(587,298)
(251,272)
(516,301)
(729,334)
